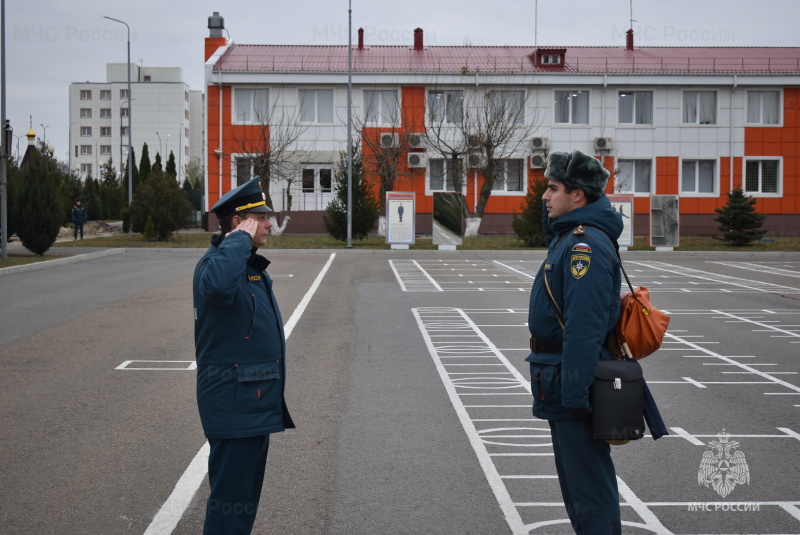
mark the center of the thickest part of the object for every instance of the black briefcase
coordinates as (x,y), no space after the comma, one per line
(617,397)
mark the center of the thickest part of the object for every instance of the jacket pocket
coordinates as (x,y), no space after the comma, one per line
(546,384)
(258,387)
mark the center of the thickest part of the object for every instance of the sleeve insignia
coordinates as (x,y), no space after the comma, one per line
(581,248)
(579,265)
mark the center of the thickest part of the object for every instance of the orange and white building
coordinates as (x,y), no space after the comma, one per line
(688,121)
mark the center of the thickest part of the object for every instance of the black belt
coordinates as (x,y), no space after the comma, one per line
(545,346)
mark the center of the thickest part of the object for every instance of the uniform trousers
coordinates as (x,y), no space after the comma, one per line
(236,474)
(587,478)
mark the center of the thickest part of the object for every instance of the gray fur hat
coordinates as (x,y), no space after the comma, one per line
(577,170)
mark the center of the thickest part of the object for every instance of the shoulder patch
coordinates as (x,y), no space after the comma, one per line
(254,278)
(579,265)
(581,248)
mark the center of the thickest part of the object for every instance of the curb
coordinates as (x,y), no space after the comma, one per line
(60,261)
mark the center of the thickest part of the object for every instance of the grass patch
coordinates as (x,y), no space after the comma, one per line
(21,260)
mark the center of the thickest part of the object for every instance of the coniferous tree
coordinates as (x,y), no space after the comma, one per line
(145,168)
(91,198)
(365,205)
(135,176)
(157,163)
(38,204)
(161,198)
(740,224)
(71,190)
(110,194)
(528,226)
(171,168)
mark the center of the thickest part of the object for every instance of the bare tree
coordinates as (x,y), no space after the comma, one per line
(268,144)
(484,129)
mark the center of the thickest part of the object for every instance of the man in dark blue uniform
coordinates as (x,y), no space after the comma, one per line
(240,350)
(584,277)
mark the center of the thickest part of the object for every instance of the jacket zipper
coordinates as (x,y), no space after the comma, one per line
(253,321)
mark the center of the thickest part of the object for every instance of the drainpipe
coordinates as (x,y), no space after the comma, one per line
(219,149)
(730,166)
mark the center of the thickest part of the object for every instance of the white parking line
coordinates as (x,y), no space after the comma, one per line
(167,518)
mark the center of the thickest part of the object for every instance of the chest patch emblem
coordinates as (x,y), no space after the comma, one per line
(579,265)
(254,278)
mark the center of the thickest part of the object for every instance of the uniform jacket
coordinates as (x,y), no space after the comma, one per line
(584,276)
(78,214)
(239,342)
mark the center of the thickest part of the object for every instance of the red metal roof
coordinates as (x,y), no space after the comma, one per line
(470,59)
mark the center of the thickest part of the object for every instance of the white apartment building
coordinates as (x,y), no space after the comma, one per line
(167,115)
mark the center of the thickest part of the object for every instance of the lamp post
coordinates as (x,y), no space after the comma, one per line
(44,133)
(130,132)
(160,145)
(165,157)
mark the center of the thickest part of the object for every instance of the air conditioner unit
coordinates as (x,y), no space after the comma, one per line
(417,141)
(476,159)
(537,161)
(540,143)
(417,160)
(390,140)
(603,143)
(474,141)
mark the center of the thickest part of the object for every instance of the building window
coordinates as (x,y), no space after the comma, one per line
(105,94)
(317,179)
(105,150)
(123,93)
(762,176)
(105,113)
(551,59)
(698,176)
(509,175)
(123,131)
(316,105)
(105,131)
(86,94)
(123,112)
(86,131)
(252,106)
(700,107)
(382,107)
(186,114)
(86,169)
(572,107)
(148,78)
(763,107)
(244,170)
(444,176)
(635,107)
(186,133)
(635,176)
(186,96)
(446,106)
(86,150)
(506,107)
(86,113)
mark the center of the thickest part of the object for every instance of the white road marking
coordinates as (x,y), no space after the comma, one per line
(167,518)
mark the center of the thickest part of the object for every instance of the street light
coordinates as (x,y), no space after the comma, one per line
(130,131)
(44,133)
(165,157)
(160,145)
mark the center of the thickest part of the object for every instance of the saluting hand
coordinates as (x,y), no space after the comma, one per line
(248,225)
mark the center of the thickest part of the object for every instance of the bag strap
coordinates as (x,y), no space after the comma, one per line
(556,309)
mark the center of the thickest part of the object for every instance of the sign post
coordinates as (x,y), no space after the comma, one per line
(400,216)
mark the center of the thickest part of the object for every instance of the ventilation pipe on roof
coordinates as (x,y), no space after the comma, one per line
(215,25)
(629,39)
(360,38)
(418,39)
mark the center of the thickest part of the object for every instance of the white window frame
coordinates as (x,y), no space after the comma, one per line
(315,95)
(571,119)
(761,122)
(696,121)
(551,59)
(253,112)
(86,169)
(760,159)
(105,131)
(445,106)
(694,192)
(510,114)
(105,150)
(317,187)
(445,168)
(86,150)
(105,94)
(633,123)
(384,118)
(235,182)
(105,113)
(86,94)
(86,131)
(501,188)
(632,191)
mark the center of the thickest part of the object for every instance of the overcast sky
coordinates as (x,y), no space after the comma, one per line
(52,43)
